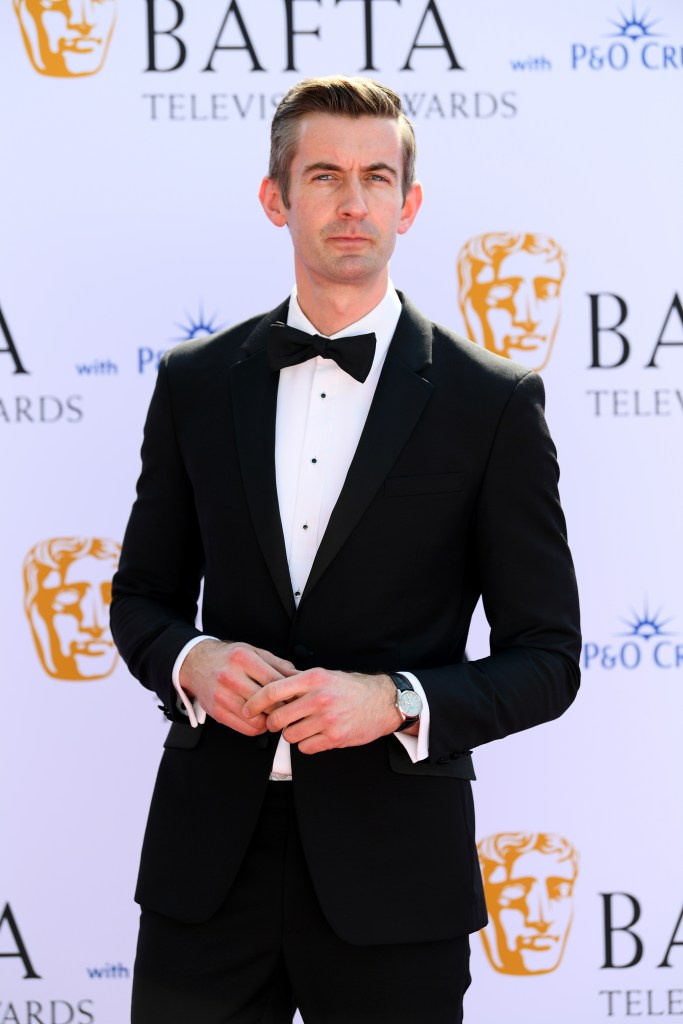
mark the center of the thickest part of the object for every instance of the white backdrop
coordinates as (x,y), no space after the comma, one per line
(129,221)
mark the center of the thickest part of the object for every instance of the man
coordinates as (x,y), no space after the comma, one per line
(344,519)
(529,885)
(509,294)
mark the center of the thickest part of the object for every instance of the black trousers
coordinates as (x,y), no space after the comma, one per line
(269,950)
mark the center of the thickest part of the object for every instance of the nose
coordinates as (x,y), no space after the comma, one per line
(93,613)
(526,308)
(352,203)
(81,16)
(537,909)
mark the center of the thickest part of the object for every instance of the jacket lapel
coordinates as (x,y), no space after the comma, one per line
(254,401)
(399,400)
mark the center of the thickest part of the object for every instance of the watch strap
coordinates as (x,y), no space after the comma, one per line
(402,684)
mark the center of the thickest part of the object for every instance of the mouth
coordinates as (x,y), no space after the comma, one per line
(348,239)
(80,45)
(94,648)
(525,342)
(539,943)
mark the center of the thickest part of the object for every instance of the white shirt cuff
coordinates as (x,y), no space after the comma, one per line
(193,709)
(417,747)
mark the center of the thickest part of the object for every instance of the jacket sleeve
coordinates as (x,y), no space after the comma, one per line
(529,593)
(155,591)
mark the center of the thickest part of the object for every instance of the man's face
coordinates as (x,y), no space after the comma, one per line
(67,37)
(346,205)
(531,910)
(516,303)
(71,616)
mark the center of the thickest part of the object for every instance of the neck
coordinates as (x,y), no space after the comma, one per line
(331,309)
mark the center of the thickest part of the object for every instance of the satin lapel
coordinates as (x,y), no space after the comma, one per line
(254,402)
(399,400)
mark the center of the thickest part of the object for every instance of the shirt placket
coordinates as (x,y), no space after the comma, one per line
(307,532)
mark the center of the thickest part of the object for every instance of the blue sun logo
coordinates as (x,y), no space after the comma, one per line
(635,26)
(199,326)
(646,625)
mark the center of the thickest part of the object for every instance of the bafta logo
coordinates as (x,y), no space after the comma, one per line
(529,884)
(66,38)
(509,294)
(67,594)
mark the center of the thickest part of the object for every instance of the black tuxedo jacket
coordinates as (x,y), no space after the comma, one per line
(452,493)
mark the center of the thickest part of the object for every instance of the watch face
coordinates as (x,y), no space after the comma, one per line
(410,703)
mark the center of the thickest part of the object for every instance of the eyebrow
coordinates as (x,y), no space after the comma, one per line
(324,165)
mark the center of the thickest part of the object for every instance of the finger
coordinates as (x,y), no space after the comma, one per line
(236,722)
(237,684)
(298,709)
(252,726)
(245,664)
(314,744)
(301,729)
(267,712)
(227,707)
(272,693)
(281,665)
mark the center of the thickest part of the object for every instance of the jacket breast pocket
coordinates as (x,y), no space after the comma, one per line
(429,483)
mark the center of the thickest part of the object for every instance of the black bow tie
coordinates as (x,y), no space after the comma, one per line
(288,346)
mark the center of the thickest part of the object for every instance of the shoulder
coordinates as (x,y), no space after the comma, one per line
(495,387)
(225,348)
(453,351)
(457,361)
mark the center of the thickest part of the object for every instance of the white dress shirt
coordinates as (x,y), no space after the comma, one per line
(321,412)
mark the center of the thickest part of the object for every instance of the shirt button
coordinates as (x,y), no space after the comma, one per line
(323,395)
(297,593)
(314,460)
(305,526)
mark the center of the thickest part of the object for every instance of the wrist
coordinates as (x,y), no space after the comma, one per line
(394,716)
(408,703)
(193,664)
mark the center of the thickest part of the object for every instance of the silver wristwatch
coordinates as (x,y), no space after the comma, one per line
(408,702)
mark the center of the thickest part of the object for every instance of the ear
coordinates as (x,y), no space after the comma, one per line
(412,204)
(271,201)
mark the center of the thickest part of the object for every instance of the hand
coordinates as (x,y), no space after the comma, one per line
(322,710)
(223,676)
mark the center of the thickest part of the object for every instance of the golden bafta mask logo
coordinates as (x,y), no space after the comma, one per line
(529,885)
(509,294)
(66,38)
(67,593)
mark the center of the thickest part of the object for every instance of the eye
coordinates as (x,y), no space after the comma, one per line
(559,889)
(498,294)
(513,893)
(66,600)
(547,289)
